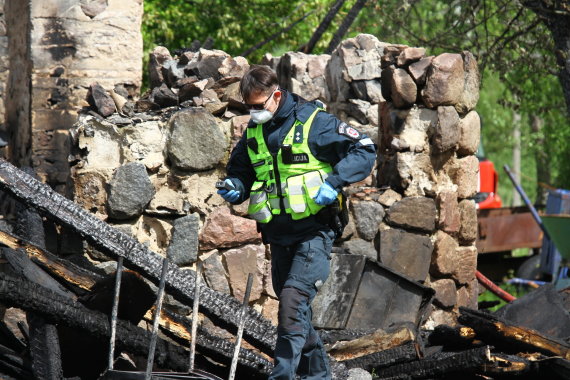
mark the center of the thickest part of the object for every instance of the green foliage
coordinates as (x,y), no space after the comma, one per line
(235,25)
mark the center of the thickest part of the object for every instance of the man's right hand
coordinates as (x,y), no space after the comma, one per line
(229,195)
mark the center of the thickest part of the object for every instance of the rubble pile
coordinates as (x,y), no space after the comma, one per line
(149,167)
(143,177)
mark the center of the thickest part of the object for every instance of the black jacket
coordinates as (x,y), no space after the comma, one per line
(351,154)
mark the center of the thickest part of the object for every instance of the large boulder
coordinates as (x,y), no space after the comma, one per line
(405,252)
(470,95)
(417,213)
(444,81)
(130,191)
(367,215)
(196,142)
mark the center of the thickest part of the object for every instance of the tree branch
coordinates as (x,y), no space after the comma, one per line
(308,48)
(274,35)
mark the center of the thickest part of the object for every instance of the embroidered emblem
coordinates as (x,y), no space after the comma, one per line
(348,131)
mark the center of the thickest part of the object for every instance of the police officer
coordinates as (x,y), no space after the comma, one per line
(292,162)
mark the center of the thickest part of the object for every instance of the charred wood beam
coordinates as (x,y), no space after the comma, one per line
(500,332)
(209,344)
(442,364)
(11,364)
(57,309)
(502,364)
(57,267)
(175,325)
(220,307)
(43,342)
(8,338)
(453,338)
(369,344)
(375,362)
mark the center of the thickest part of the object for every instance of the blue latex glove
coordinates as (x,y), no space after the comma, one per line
(229,195)
(326,195)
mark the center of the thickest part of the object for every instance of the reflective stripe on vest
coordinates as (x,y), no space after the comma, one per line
(299,177)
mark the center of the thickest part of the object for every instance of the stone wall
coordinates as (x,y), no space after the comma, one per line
(150,169)
(57,49)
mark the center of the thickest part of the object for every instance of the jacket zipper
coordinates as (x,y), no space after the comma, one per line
(278,182)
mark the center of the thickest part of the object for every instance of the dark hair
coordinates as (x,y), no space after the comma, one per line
(258,79)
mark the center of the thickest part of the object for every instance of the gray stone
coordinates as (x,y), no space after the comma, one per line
(209,62)
(443,261)
(446,135)
(191,89)
(92,8)
(406,252)
(470,134)
(358,374)
(101,100)
(444,81)
(367,215)
(403,89)
(233,67)
(360,247)
(470,95)
(157,57)
(468,217)
(214,272)
(163,96)
(369,90)
(389,197)
(183,248)
(354,59)
(409,55)
(130,190)
(413,212)
(415,174)
(242,261)
(449,220)
(466,265)
(418,70)
(445,293)
(464,173)
(172,72)
(196,142)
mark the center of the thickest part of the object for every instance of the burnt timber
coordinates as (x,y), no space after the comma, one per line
(220,307)
(60,310)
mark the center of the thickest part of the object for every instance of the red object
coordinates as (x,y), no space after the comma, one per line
(494,288)
(487,196)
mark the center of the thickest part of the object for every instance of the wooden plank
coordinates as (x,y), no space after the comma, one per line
(63,269)
(218,306)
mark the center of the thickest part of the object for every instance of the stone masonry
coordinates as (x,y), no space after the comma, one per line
(413,213)
(56,50)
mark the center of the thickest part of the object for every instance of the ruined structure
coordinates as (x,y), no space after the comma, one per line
(55,50)
(152,174)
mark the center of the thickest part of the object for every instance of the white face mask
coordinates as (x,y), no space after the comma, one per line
(260,116)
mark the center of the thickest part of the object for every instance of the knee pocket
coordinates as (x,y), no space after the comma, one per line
(290,302)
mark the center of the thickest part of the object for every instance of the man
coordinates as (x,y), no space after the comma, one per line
(292,162)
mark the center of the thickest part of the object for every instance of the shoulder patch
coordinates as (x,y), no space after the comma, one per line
(348,131)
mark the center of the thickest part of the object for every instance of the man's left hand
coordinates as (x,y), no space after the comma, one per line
(326,195)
